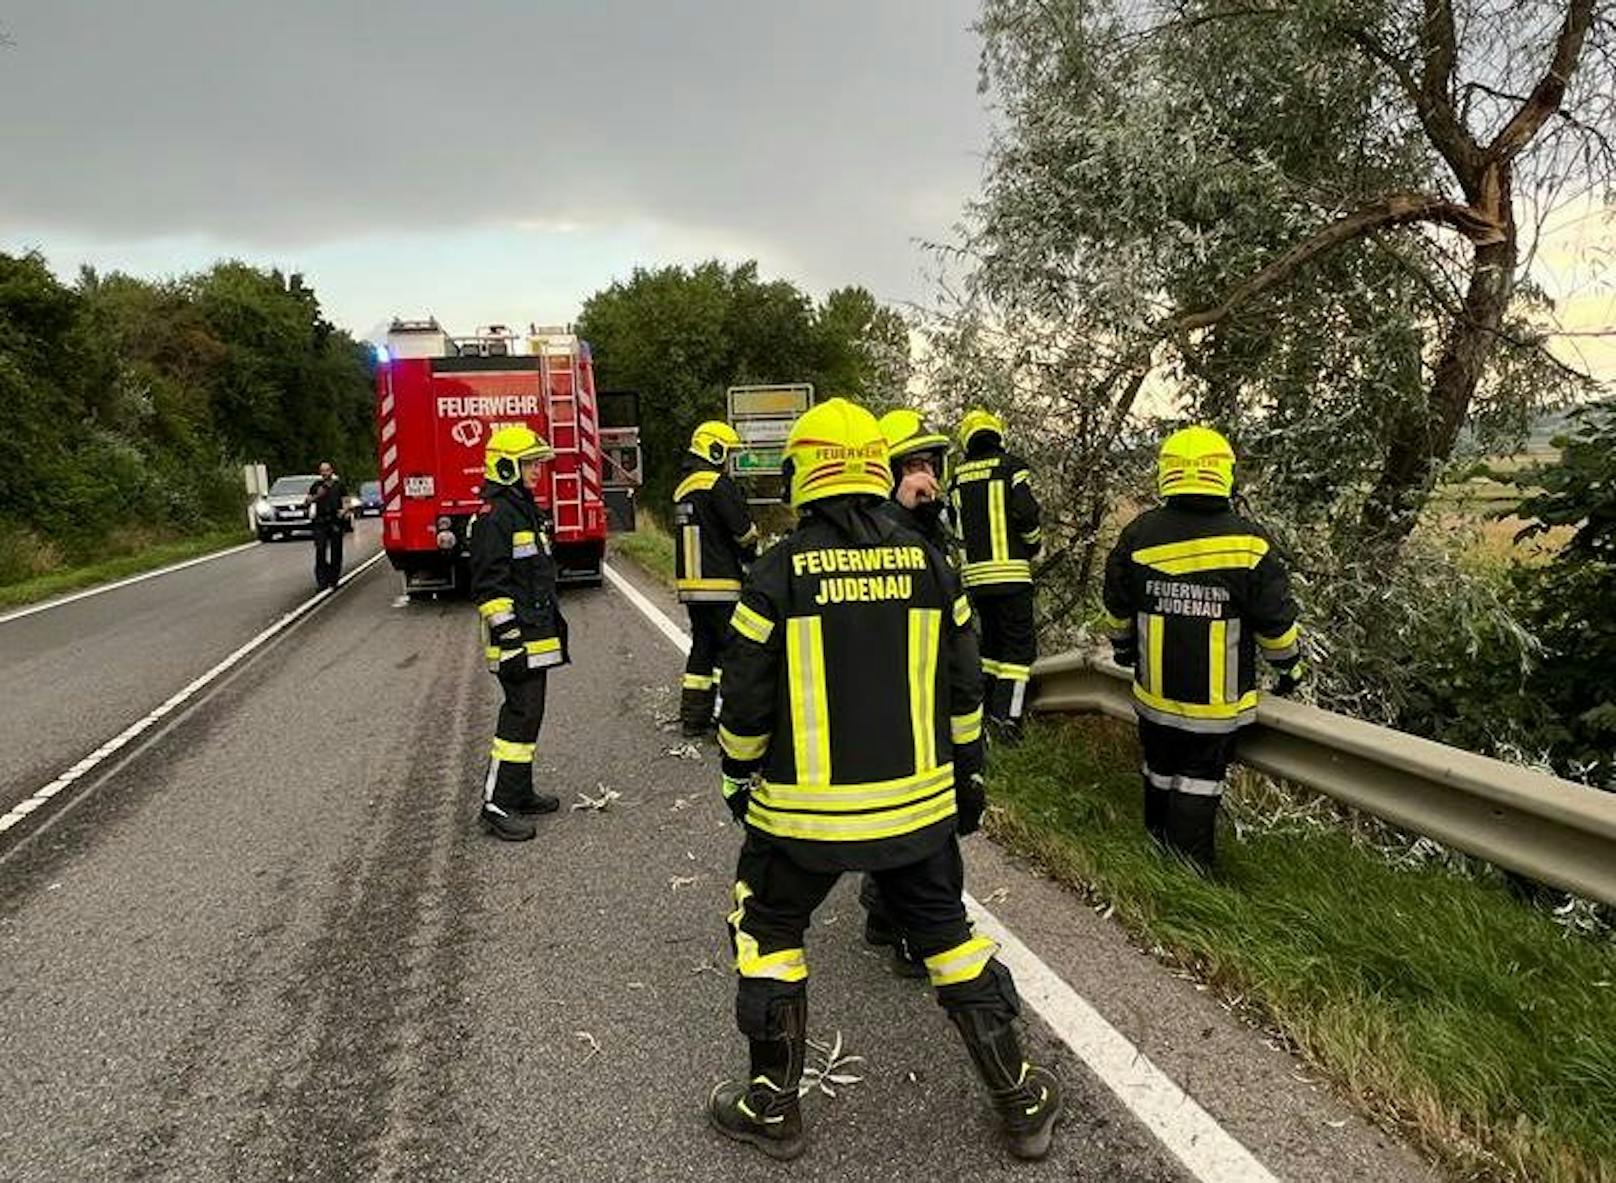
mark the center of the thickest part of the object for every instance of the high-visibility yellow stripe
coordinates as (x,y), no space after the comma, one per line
(1032,537)
(925,632)
(855,827)
(847,798)
(742,747)
(1197,710)
(695,482)
(1008,670)
(810,720)
(698,682)
(966,728)
(749,537)
(962,611)
(1284,641)
(709,584)
(984,573)
(508,752)
(1021,478)
(1216,642)
(498,606)
(690,537)
(1116,623)
(963,963)
(754,626)
(1158,632)
(998,522)
(784,965)
(1224,552)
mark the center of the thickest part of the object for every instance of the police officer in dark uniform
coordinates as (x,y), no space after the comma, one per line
(714,538)
(851,734)
(513,580)
(327,495)
(1193,592)
(998,520)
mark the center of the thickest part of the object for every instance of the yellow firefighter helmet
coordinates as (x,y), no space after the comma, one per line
(976,422)
(907,434)
(834,449)
(714,440)
(1195,460)
(508,447)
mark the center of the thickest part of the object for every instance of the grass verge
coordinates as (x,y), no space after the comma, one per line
(650,547)
(146,558)
(1478,1029)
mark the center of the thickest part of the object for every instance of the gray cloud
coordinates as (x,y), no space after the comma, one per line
(832,130)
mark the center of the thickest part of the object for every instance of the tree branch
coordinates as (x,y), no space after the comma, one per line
(1442,126)
(1399,209)
(1550,89)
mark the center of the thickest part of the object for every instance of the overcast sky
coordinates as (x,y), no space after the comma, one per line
(488,159)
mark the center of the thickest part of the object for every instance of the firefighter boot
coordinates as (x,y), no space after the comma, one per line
(535,803)
(765,1111)
(507,825)
(1026,1097)
(696,711)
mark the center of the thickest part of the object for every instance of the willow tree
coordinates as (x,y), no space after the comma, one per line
(1309,222)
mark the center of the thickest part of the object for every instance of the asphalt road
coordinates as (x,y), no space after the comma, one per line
(77,674)
(273,944)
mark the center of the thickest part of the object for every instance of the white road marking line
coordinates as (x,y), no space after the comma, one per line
(141,578)
(23,808)
(649,610)
(1194,1137)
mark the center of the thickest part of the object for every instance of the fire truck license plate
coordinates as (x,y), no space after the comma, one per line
(418,486)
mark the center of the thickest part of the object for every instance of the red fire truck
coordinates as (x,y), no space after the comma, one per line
(438,398)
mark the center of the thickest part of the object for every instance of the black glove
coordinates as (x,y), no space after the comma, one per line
(737,795)
(971,801)
(1290,679)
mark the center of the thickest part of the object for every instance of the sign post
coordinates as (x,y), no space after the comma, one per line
(762,416)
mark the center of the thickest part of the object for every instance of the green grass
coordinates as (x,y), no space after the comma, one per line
(649,546)
(1475,1026)
(146,557)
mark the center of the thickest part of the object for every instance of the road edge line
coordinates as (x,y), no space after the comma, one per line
(86,593)
(40,797)
(1173,1117)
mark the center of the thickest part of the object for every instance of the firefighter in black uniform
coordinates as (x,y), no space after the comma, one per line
(1193,592)
(851,732)
(919,456)
(714,539)
(998,520)
(513,580)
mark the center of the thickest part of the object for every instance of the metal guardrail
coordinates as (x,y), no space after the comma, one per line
(1548,829)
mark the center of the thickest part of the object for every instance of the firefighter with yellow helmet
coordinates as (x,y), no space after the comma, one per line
(513,581)
(998,520)
(714,539)
(851,732)
(1193,593)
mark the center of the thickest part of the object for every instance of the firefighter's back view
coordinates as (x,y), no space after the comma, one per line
(513,580)
(997,517)
(714,539)
(1193,592)
(852,742)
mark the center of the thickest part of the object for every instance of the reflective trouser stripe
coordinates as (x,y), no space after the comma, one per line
(1193,785)
(963,963)
(1008,670)
(784,965)
(925,633)
(510,752)
(810,721)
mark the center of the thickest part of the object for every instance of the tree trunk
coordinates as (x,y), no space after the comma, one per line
(1423,437)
